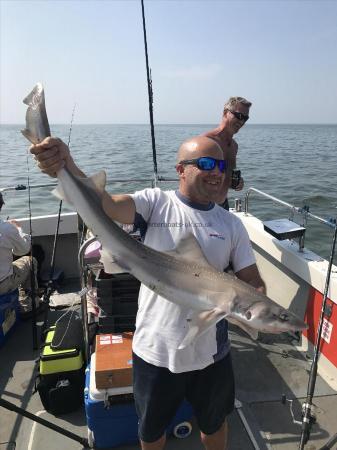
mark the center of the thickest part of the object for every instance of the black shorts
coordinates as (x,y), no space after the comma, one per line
(158,394)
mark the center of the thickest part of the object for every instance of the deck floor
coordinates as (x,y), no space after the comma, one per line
(264,371)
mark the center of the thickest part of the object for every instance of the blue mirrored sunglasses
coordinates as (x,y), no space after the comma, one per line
(206,163)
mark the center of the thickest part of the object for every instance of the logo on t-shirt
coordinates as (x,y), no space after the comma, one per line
(218,236)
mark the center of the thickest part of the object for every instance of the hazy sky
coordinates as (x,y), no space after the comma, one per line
(281,55)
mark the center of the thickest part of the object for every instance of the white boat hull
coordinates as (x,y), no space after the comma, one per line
(296,280)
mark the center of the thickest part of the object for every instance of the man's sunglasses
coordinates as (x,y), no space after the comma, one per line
(239,115)
(206,163)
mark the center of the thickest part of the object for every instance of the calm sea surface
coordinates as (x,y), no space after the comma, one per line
(296,163)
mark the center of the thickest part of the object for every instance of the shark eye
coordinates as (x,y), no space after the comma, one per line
(284,317)
(248,315)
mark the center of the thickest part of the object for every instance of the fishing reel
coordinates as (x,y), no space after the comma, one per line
(307,413)
(308,419)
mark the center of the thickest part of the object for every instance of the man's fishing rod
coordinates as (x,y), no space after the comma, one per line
(308,419)
(32,269)
(150,94)
(61,430)
(49,288)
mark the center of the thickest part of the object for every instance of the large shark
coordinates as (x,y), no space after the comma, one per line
(210,294)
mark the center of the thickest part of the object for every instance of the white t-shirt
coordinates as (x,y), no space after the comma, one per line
(160,328)
(12,240)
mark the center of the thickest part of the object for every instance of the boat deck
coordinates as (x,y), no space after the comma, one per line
(265,370)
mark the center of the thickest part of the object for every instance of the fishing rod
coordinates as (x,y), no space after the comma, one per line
(150,94)
(308,417)
(46,423)
(50,283)
(32,269)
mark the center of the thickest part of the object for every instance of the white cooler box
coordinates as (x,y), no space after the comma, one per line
(112,418)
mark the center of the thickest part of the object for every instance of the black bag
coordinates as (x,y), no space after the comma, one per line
(60,379)
(62,392)
(68,333)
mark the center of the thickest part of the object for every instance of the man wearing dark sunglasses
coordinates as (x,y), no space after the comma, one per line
(235,115)
(189,222)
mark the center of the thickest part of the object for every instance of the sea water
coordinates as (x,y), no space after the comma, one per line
(296,163)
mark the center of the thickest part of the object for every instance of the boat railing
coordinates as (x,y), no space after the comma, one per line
(151,181)
(23,187)
(302,211)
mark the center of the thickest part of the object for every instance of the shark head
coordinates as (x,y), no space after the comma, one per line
(260,315)
(271,318)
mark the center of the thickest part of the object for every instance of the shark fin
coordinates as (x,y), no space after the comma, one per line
(110,263)
(253,332)
(189,249)
(199,323)
(60,194)
(97,181)
(29,136)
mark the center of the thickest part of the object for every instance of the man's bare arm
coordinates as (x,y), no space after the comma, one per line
(252,276)
(119,207)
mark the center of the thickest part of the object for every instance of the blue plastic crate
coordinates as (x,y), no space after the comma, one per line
(9,314)
(117,424)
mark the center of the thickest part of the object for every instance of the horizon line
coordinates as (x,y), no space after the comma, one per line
(182,124)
